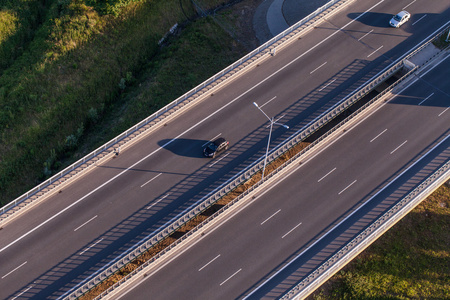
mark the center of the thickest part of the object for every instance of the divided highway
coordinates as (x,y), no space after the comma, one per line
(52,247)
(343,188)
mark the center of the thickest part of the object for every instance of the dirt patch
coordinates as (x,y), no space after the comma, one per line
(237,20)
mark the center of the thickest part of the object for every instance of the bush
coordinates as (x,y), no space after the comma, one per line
(109,7)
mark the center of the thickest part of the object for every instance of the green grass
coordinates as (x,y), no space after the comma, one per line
(202,50)
(19,22)
(442,42)
(410,261)
(73,77)
(76,82)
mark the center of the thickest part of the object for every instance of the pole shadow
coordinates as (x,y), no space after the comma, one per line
(147,219)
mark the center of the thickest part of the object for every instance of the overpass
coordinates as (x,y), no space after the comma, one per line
(126,198)
(295,232)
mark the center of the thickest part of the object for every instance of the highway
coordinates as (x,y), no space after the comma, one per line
(70,235)
(342,189)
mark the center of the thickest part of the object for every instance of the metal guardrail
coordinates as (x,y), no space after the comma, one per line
(368,236)
(264,50)
(347,102)
(257,166)
(206,202)
(127,138)
(310,283)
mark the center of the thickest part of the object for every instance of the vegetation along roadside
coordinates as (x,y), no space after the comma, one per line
(87,70)
(75,73)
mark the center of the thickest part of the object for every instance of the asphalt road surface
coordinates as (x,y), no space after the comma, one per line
(48,250)
(310,214)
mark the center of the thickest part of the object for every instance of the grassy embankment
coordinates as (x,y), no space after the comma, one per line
(78,77)
(71,78)
(410,261)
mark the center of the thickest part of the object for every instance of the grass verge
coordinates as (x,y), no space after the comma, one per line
(83,77)
(410,261)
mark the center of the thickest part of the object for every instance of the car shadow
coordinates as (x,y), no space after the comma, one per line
(373,19)
(184,147)
(381,20)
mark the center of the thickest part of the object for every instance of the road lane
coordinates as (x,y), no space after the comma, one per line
(308,208)
(176,153)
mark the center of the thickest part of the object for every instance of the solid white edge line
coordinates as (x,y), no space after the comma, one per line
(293,171)
(13,270)
(291,230)
(179,253)
(375,51)
(159,200)
(347,187)
(399,146)
(209,262)
(343,220)
(378,135)
(270,217)
(186,131)
(93,245)
(85,223)
(311,50)
(365,35)
(318,68)
(151,179)
(426,98)
(231,276)
(320,151)
(326,175)
(419,19)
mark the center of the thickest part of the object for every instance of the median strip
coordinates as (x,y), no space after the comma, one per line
(364,99)
(153,251)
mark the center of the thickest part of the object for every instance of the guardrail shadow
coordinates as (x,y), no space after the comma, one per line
(410,98)
(323,246)
(148,219)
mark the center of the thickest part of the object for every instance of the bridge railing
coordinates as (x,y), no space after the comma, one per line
(365,238)
(130,136)
(369,235)
(230,186)
(257,166)
(206,202)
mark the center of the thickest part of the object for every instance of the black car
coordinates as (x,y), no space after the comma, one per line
(216,146)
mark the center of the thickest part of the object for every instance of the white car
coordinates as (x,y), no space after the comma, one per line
(399,19)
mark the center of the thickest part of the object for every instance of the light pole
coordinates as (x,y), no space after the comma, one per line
(271,120)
